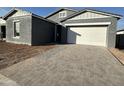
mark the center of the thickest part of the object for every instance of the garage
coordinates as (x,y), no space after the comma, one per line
(90,35)
(91,27)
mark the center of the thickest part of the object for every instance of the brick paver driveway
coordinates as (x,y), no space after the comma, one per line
(68,65)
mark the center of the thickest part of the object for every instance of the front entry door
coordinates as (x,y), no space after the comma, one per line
(3,30)
(58,34)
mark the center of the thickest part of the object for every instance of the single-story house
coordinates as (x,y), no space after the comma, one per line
(120,39)
(23,27)
(90,27)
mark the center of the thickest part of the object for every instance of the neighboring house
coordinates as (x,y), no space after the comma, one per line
(90,27)
(120,39)
(24,27)
(2,28)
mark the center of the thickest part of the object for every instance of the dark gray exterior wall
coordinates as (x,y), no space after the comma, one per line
(63,34)
(43,32)
(120,41)
(0,32)
(25,30)
(56,18)
(111,38)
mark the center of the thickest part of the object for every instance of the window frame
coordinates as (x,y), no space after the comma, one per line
(16,37)
(63,12)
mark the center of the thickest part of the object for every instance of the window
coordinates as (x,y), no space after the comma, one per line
(16,28)
(62,14)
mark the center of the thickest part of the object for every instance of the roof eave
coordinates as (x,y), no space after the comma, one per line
(120,30)
(105,13)
(44,18)
(11,11)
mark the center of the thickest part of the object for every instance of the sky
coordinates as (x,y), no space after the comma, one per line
(44,11)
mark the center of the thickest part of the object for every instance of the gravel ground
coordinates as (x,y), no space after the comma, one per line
(68,65)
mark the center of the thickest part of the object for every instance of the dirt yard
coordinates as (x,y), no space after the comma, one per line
(14,53)
(119,54)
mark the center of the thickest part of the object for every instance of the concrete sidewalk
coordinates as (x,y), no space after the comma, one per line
(4,81)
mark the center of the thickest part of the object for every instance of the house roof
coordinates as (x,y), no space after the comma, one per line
(12,11)
(59,11)
(48,20)
(95,11)
(16,9)
(120,30)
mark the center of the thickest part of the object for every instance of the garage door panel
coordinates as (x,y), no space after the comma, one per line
(87,35)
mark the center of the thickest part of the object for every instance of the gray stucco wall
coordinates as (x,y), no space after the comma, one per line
(56,18)
(111,36)
(43,32)
(112,33)
(25,30)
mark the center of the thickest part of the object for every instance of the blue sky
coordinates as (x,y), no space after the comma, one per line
(44,11)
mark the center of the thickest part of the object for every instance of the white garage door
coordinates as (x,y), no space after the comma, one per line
(87,35)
